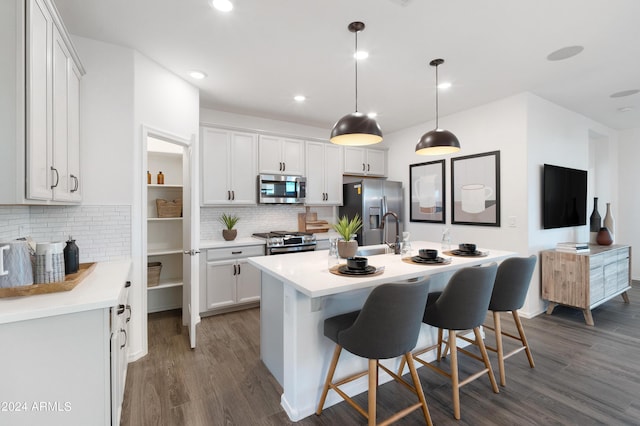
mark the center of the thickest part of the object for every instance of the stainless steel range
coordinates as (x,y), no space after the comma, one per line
(281,242)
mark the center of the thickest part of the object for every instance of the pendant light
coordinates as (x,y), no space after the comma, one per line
(356,128)
(437,141)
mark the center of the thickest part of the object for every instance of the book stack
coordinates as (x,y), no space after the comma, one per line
(573,247)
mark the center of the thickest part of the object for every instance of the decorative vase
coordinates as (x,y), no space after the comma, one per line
(347,249)
(604,237)
(609,222)
(595,222)
(229,234)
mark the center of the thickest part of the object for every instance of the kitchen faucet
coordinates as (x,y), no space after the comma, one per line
(395,246)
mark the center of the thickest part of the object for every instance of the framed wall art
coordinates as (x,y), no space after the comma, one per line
(427,191)
(475,189)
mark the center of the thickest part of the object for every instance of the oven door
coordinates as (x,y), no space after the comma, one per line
(281,189)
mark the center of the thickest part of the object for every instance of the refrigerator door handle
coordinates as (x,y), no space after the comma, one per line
(384,205)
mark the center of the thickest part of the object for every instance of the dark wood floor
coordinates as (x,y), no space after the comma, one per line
(583,376)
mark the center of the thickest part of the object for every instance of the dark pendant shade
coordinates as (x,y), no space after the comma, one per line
(356,129)
(438,142)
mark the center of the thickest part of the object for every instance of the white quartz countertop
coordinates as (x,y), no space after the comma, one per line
(238,242)
(100,289)
(308,272)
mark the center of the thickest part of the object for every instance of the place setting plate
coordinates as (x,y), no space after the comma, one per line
(462,253)
(344,270)
(417,260)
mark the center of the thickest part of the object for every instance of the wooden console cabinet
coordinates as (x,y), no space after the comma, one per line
(586,280)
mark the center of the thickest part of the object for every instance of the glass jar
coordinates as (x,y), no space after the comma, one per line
(333,257)
(405,248)
(446,239)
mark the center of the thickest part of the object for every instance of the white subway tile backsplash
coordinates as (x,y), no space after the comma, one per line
(102,233)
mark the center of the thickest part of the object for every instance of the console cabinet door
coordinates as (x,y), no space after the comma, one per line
(248,282)
(221,283)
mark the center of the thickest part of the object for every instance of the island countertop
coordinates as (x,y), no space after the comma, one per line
(309,274)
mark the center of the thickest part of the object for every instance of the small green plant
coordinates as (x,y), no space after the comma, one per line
(346,228)
(229,221)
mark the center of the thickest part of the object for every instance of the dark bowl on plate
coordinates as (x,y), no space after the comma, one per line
(428,253)
(357,263)
(467,247)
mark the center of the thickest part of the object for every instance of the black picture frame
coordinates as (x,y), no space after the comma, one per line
(427,196)
(475,189)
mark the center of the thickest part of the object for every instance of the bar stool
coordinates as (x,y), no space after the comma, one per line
(461,306)
(509,293)
(387,326)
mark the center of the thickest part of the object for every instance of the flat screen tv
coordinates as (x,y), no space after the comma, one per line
(564,200)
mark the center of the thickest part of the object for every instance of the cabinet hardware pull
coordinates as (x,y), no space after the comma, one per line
(363,167)
(57,177)
(127,284)
(236,252)
(125,338)
(280,168)
(130,313)
(120,309)
(229,195)
(75,180)
(284,167)
(192,252)
(234,270)
(233,195)
(368,167)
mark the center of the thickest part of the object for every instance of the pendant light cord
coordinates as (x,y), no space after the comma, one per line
(437,113)
(355,58)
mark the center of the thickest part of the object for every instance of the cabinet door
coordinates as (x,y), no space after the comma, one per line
(270,155)
(333,169)
(73,143)
(248,282)
(244,181)
(623,269)
(610,272)
(315,173)
(354,161)
(376,162)
(216,187)
(60,118)
(221,283)
(39,142)
(293,157)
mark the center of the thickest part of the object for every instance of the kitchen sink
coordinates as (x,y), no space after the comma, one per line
(372,250)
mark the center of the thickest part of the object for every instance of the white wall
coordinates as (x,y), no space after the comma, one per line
(628,211)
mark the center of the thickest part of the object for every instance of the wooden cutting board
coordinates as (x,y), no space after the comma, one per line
(70,281)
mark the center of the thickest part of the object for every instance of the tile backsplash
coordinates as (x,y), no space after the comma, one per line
(101,232)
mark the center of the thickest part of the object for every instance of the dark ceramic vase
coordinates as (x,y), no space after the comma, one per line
(604,237)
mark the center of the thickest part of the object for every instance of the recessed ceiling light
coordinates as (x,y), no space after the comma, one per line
(299,98)
(361,54)
(445,85)
(564,53)
(372,114)
(624,93)
(198,75)
(222,5)
(625,109)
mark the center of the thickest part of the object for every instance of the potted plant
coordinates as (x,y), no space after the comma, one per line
(229,221)
(347,229)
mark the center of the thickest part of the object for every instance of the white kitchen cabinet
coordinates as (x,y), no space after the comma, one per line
(40,81)
(230,281)
(365,161)
(324,174)
(228,167)
(281,156)
(67,361)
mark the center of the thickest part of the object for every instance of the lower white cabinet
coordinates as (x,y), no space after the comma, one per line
(229,281)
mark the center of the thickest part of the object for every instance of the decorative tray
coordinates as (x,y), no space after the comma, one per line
(70,281)
(345,271)
(417,260)
(461,253)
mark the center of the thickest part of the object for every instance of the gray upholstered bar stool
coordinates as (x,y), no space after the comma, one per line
(461,306)
(509,293)
(387,326)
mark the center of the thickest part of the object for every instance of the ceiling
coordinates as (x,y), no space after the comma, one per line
(261,54)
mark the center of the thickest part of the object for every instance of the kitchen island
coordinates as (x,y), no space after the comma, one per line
(299,293)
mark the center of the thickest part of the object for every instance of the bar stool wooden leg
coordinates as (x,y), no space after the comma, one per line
(454,374)
(416,383)
(327,383)
(485,357)
(516,318)
(373,386)
(498,332)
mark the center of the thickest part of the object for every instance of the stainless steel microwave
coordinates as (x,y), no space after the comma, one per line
(281,189)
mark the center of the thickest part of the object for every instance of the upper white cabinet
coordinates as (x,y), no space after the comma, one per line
(365,161)
(228,167)
(41,78)
(278,155)
(324,174)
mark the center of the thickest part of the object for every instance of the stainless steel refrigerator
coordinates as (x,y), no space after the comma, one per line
(371,199)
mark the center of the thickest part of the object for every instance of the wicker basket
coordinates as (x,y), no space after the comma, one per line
(169,208)
(153,273)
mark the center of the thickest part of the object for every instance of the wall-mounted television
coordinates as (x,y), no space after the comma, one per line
(564,199)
